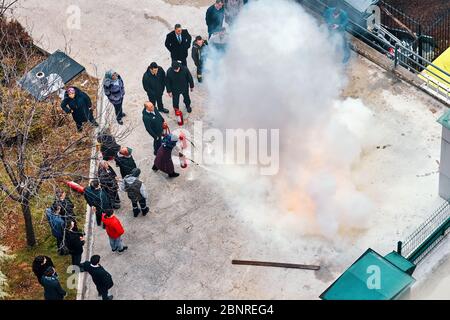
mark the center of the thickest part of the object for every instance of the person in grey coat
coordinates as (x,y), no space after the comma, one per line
(178,81)
(115,91)
(52,287)
(136,192)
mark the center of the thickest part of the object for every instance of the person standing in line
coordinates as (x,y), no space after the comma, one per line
(40,265)
(178,43)
(154,83)
(52,287)
(80,106)
(154,124)
(125,162)
(56,222)
(215,16)
(115,230)
(136,192)
(108,145)
(232,9)
(178,82)
(74,242)
(97,199)
(67,207)
(108,181)
(102,279)
(115,91)
(199,52)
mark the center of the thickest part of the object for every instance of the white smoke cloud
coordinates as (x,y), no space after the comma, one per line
(282,71)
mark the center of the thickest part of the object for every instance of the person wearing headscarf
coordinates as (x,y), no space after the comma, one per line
(136,192)
(115,91)
(163,160)
(80,106)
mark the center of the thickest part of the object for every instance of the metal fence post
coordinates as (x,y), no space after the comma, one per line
(399,247)
(396,56)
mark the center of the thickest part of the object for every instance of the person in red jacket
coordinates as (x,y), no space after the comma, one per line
(114,230)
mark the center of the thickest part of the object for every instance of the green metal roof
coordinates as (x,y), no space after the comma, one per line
(353,283)
(444,120)
(401,262)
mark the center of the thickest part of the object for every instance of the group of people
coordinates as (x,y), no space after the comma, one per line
(102,194)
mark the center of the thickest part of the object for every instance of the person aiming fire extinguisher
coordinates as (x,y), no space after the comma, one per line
(163,160)
(178,82)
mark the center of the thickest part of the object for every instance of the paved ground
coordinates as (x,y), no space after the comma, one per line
(183,249)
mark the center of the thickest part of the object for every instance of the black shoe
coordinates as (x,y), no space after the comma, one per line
(145,211)
(154,168)
(110,297)
(123,115)
(163,110)
(123,249)
(136,213)
(174,175)
(114,250)
(120,122)
(189,109)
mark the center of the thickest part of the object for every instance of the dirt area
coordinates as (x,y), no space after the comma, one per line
(195,3)
(426,12)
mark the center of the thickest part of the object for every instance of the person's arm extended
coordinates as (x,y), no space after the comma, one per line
(190,79)
(64,106)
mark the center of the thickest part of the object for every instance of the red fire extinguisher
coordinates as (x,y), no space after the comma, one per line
(75,186)
(183,140)
(179,116)
(183,161)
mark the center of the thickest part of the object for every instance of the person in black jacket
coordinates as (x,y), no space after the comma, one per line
(52,287)
(199,51)
(65,203)
(178,82)
(108,145)
(101,278)
(40,265)
(154,83)
(178,43)
(79,105)
(97,199)
(108,180)
(214,17)
(154,124)
(74,242)
(125,161)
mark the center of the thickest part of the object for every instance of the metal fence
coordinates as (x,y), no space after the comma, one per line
(427,236)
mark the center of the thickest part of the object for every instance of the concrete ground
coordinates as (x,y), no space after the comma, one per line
(184,248)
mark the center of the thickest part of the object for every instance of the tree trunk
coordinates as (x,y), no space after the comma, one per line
(31,238)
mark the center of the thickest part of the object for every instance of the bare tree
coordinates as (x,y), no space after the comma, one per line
(38,143)
(6,5)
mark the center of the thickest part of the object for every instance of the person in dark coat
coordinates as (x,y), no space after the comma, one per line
(178,43)
(108,145)
(199,51)
(102,279)
(52,287)
(215,16)
(67,207)
(40,265)
(154,83)
(125,161)
(178,81)
(79,105)
(115,91)
(108,181)
(163,160)
(97,199)
(56,222)
(75,242)
(154,124)
(136,192)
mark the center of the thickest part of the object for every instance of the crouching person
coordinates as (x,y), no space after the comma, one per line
(136,192)
(114,229)
(101,278)
(163,160)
